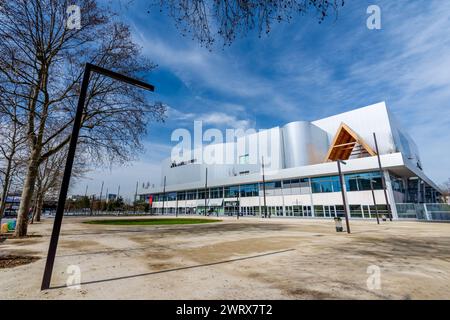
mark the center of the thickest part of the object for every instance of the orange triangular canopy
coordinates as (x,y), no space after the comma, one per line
(346,144)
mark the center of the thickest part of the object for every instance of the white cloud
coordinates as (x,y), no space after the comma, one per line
(217,119)
(220,119)
(197,66)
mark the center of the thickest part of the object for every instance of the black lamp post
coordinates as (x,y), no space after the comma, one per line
(374,202)
(89,68)
(264,188)
(344,201)
(164,196)
(206,190)
(383,181)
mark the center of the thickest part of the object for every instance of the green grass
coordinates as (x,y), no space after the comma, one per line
(146,222)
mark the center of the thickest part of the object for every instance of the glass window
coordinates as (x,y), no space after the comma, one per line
(316,187)
(191,195)
(295,183)
(172,196)
(361,181)
(318,211)
(231,191)
(336,185)
(181,195)
(326,184)
(355,211)
(340,212)
(244,159)
(304,182)
(297,211)
(216,193)
(249,190)
(351,183)
(273,185)
(397,184)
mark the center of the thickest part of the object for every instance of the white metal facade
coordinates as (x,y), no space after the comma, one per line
(298,151)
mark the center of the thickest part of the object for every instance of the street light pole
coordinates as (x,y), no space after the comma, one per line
(135,197)
(206,188)
(164,195)
(238,202)
(344,201)
(264,188)
(388,206)
(89,68)
(374,202)
(101,194)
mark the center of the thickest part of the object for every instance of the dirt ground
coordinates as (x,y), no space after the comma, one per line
(250,258)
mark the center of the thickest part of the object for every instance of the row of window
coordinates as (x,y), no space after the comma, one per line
(353,182)
(320,211)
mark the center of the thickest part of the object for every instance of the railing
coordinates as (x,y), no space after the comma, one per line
(413,211)
(438,211)
(424,211)
(104,213)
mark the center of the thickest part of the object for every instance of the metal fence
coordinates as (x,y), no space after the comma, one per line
(424,211)
(103,213)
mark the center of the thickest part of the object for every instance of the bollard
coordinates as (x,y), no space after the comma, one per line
(338,223)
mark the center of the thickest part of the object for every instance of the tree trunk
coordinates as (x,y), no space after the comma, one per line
(5,190)
(27,194)
(39,206)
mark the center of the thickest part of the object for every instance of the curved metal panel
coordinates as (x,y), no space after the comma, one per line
(303,144)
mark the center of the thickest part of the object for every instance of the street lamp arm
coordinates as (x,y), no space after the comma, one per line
(120,77)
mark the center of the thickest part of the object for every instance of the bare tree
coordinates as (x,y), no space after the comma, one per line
(45,60)
(48,181)
(446,191)
(12,144)
(226,19)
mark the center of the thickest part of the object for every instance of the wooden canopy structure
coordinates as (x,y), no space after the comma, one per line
(346,144)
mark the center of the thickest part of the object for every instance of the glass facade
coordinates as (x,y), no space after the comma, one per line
(171,196)
(272,185)
(295,186)
(202,193)
(191,195)
(249,190)
(325,184)
(216,193)
(361,181)
(181,195)
(231,191)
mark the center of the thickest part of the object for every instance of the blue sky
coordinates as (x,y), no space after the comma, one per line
(302,70)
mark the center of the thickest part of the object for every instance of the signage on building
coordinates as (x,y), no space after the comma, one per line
(231,203)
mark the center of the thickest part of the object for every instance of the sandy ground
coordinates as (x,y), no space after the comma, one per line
(247,259)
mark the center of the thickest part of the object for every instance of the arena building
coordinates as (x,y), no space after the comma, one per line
(301,175)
